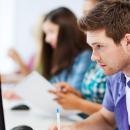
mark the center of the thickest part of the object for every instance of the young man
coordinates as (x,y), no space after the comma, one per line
(108,32)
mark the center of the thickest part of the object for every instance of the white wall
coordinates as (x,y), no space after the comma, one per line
(7,12)
(25,16)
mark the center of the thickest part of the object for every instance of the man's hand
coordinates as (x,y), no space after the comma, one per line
(65,127)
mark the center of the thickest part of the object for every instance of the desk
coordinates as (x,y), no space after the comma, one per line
(37,122)
(30,118)
(15,118)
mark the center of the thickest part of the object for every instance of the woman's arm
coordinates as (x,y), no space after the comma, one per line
(74,102)
(88,107)
(24,69)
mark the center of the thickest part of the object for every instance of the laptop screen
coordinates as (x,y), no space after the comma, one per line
(2,123)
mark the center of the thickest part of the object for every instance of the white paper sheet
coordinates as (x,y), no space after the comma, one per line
(34,89)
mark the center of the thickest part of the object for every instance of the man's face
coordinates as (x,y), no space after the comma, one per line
(111,57)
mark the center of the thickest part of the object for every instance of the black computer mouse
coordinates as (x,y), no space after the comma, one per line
(22,127)
(20,107)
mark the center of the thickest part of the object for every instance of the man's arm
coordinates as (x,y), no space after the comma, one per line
(102,120)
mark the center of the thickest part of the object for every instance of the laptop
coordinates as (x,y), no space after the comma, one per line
(2,122)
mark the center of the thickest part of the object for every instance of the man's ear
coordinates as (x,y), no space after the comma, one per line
(128,39)
(126,42)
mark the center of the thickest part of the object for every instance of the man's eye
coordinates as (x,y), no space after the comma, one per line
(98,46)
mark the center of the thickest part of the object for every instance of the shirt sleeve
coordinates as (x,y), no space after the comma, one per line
(78,69)
(108,101)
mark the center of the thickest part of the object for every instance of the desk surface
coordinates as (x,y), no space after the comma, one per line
(36,120)
(30,118)
(15,118)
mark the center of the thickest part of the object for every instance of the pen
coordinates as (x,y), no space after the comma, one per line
(58,117)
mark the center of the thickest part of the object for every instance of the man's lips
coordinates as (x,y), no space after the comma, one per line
(102,65)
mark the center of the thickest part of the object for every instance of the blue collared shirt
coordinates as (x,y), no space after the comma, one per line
(115,99)
(78,69)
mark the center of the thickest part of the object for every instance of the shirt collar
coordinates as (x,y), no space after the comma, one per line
(127,78)
(123,79)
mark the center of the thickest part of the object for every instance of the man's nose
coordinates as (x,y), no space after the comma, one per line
(95,57)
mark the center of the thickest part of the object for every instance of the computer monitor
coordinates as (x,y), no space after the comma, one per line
(2,122)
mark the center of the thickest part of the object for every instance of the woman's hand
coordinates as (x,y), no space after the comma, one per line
(14,55)
(66,88)
(24,69)
(10,95)
(67,100)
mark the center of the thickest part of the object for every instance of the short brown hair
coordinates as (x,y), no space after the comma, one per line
(111,15)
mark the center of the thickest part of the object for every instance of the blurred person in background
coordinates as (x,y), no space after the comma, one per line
(23,68)
(26,68)
(63,49)
(65,56)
